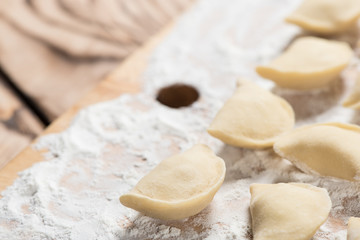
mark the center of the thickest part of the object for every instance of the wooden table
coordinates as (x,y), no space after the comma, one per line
(53,52)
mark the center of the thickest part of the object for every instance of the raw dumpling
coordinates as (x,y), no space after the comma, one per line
(353,229)
(180,186)
(308,63)
(353,100)
(330,149)
(326,16)
(287,211)
(252,118)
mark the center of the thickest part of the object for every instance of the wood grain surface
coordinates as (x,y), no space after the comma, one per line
(57,50)
(18,126)
(124,79)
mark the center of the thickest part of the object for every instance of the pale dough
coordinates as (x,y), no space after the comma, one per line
(353,229)
(180,186)
(330,149)
(326,16)
(353,99)
(252,118)
(308,63)
(287,211)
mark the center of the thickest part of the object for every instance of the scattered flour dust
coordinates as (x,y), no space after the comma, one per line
(110,146)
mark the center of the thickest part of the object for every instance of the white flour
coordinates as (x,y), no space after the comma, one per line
(110,146)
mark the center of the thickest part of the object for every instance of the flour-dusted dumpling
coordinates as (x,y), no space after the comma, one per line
(353,229)
(287,211)
(252,117)
(308,63)
(353,99)
(180,186)
(330,149)
(326,16)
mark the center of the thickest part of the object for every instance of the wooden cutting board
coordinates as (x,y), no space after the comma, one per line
(124,79)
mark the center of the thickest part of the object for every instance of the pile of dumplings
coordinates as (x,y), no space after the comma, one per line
(184,184)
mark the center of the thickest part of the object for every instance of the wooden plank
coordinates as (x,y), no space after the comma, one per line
(45,76)
(68,46)
(18,126)
(125,79)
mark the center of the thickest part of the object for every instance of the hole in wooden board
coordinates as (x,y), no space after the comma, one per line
(177,95)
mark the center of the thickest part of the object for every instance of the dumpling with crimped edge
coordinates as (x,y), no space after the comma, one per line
(308,63)
(353,99)
(286,211)
(326,16)
(180,186)
(252,118)
(353,232)
(328,149)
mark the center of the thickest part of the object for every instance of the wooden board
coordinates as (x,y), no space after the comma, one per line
(18,126)
(124,79)
(69,46)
